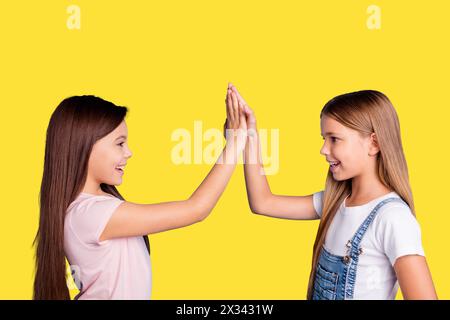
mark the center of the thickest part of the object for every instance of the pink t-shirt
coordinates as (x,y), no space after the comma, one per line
(118,268)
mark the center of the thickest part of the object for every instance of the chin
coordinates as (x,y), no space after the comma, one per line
(115,182)
(339,177)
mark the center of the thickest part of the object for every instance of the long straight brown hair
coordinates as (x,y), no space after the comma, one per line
(74,127)
(366,111)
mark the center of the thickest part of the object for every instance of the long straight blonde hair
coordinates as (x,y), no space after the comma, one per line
(367,112)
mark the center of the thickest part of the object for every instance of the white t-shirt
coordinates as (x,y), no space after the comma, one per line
(393,233)
(118,268)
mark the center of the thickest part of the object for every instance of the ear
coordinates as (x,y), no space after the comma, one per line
(374,148)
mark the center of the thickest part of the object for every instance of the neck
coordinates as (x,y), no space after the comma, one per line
(366,188)
(92,187)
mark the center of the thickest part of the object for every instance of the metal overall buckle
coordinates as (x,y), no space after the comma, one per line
(347,257)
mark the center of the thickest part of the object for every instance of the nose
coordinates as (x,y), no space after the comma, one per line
(128,153)
(324,150)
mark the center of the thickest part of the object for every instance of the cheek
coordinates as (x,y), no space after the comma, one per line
(349,154)
(341,151)
(103,162)
(356,158)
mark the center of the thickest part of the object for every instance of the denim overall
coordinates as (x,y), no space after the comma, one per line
(336,275)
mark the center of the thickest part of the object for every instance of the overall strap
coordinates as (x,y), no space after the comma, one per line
(354,250)
(354,243)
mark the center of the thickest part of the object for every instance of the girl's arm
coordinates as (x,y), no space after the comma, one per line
(414,278)
(261,199)
(132,219)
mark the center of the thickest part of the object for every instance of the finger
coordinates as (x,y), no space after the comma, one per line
(243,122)
(235,90)
(234,114)
(235,106)
(250,115)
(230,107)
(227,109)
(248,111)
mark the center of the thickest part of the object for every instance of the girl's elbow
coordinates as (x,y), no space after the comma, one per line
(255,208)
(201,215)
(199,211)
(260,204)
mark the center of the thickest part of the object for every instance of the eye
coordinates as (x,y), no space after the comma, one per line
(333,139)
(121,144)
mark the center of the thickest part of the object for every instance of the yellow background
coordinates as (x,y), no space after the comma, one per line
(169,62)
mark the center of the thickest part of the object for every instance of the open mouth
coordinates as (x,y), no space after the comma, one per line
(120,169)
(334,165)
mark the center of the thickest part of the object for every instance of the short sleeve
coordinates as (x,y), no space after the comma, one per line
(398,232)
(91,217)
(317,202)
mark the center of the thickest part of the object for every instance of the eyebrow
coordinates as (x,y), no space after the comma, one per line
(121,137)
(330,134)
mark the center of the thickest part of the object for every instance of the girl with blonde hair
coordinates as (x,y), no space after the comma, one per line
(368,241)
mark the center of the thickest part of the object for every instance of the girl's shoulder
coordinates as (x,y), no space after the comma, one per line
(392,209)
(397,231)
(85,200)
(88,215)
(395,217)
(104,194)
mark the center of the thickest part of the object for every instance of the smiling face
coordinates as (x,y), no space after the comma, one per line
(349,153)
(108,158)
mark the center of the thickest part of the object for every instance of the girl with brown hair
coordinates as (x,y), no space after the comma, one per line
(84,218)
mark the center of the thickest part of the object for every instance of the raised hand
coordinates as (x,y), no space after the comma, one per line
(134,219)
(249,114)
(235,126)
